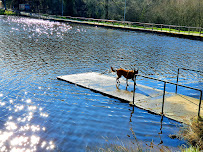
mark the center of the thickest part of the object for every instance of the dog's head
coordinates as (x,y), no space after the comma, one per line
(135,72)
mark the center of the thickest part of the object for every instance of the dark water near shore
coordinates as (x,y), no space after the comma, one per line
(40,113)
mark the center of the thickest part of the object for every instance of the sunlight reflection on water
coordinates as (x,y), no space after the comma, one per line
(41,27)
(18,133)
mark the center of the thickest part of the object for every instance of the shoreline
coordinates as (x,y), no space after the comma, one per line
(120,25)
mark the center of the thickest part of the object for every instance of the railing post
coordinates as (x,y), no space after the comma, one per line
(177,81)
(162,110)
(134,90)
(200,100)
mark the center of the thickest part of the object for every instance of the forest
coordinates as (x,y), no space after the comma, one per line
(170,12)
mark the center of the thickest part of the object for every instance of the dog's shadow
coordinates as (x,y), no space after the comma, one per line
(131,89)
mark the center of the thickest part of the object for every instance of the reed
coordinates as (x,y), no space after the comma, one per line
(193,133)
(127,146)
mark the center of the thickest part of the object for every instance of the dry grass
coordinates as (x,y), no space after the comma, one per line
(122,146)
(191,149)
(127,146)
(193,133)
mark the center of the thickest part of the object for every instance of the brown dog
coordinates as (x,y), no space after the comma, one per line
(128,74)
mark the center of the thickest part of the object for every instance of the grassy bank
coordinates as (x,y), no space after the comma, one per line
(6,12)
(193,133)
(173,30)
(137,25)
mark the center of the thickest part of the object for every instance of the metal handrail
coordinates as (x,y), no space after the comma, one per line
(191,70)
(169,82)
(165,82)
(185,70)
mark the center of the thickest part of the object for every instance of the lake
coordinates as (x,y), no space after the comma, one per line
(40,113)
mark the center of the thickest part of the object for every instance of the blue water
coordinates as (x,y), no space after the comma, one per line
(40,113)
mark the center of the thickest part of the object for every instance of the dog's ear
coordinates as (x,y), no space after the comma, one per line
(135,71)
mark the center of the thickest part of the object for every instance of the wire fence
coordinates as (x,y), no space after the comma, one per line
(147,26)
(185,30)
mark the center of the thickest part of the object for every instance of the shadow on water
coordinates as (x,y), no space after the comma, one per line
(134,144)
(161,123)
(40,113)
(151,145)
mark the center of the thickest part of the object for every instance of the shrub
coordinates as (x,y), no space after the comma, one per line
(9,12)
(2,12)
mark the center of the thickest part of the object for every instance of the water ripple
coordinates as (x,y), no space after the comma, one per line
(40,113)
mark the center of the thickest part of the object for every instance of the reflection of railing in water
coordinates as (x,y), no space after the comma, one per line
(165,82)
(161,125)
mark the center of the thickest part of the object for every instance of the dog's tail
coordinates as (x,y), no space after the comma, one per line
(113,69)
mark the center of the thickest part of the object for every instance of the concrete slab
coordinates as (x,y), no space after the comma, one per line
(107,85)
(177,107)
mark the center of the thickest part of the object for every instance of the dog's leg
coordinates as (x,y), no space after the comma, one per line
(117,79)
(117,82)
(126,84)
